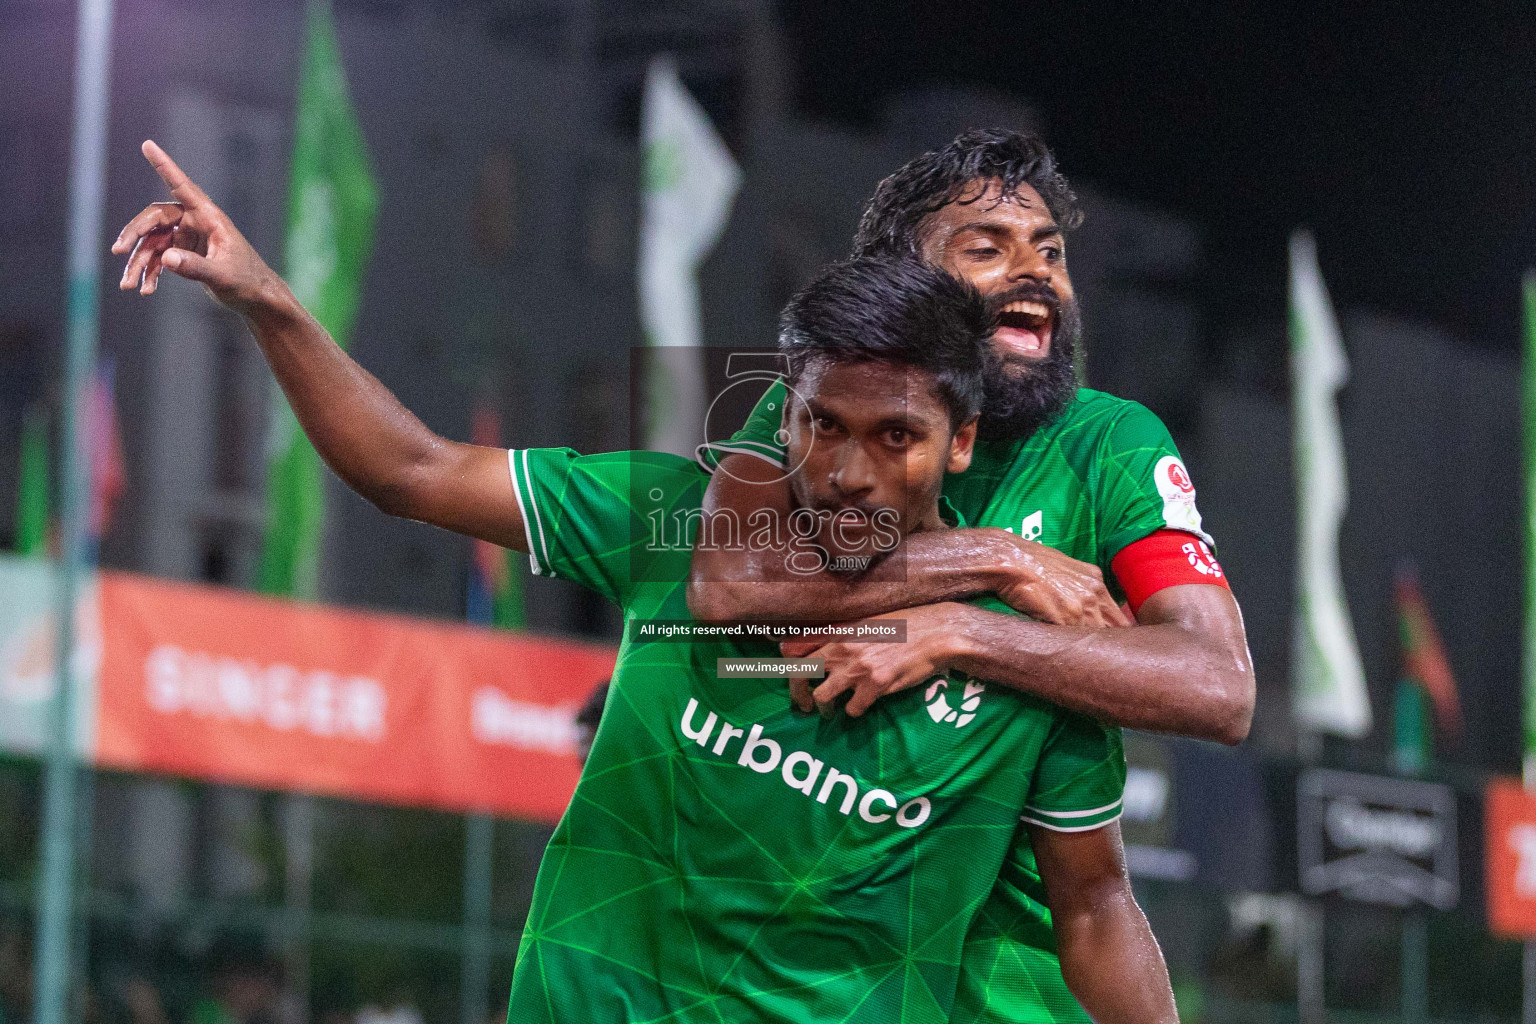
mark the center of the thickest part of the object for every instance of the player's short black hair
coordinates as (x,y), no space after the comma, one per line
(897,311)
(890,223)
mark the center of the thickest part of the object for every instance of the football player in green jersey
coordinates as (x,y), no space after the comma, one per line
(728,858)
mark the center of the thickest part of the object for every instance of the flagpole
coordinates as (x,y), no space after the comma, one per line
(61,799)
(479,880)
(1311,995)
(1311,1005)
(1528,407)
(1328,681)
(1415,967)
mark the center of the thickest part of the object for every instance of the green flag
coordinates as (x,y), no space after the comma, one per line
(331,204)
(1528,402)
(32,486)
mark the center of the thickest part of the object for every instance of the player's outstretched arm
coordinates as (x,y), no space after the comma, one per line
(733,585)
(1184,669)
(359,428)
(1109,957)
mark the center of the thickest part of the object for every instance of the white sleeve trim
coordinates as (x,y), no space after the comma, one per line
(1071,828)
(730,449)
(1076,814)
(528,521)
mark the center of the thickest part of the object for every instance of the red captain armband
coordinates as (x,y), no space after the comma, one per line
(1167,558)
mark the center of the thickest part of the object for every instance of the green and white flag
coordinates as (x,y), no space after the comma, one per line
(331,205)
(1328,682)
(1528,403)
(689,183)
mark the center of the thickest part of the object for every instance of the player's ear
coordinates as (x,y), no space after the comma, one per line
(961,447)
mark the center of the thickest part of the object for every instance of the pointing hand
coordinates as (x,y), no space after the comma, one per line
(192,238)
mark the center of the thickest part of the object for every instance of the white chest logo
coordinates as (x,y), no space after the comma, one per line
(938,702)
(1032,525)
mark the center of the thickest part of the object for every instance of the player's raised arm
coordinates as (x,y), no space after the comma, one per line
(1109,958)
(359,428)
(746,583)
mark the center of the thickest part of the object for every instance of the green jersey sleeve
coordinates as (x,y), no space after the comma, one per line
(608,521)
(1142,484)
(1079,782)
(759,436)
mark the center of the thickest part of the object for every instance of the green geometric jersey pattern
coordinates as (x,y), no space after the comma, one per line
(727,859)
(1103,475)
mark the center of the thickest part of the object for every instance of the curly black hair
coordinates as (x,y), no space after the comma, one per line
(894,214)
(894,311)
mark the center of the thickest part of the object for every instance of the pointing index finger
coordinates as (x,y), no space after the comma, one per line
(182,187)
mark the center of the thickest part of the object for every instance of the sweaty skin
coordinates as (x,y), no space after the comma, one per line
(1186,668)
(1109,956)
(995,246)
(752,583)
(1178,652)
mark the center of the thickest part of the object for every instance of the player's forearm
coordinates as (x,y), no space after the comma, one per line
(949,565)
(1109,957)
(1161,677)
(358,427)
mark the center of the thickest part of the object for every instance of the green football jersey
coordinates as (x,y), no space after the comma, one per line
(726,858)
(1103,475)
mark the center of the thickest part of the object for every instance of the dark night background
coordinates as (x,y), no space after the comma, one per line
(1404,139)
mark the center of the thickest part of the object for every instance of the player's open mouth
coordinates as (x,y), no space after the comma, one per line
(1024,328)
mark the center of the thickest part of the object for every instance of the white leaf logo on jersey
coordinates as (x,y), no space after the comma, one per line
(1178,494)
(1032,525)
(938,702)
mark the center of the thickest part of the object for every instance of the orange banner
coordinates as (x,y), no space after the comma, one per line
(1510,848)
(252,691)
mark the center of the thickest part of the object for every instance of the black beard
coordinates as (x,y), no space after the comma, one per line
(1024,395)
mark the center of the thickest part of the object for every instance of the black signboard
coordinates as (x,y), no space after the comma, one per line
(1377,840)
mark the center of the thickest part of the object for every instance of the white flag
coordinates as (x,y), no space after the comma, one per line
(1328,682)
(689,182)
